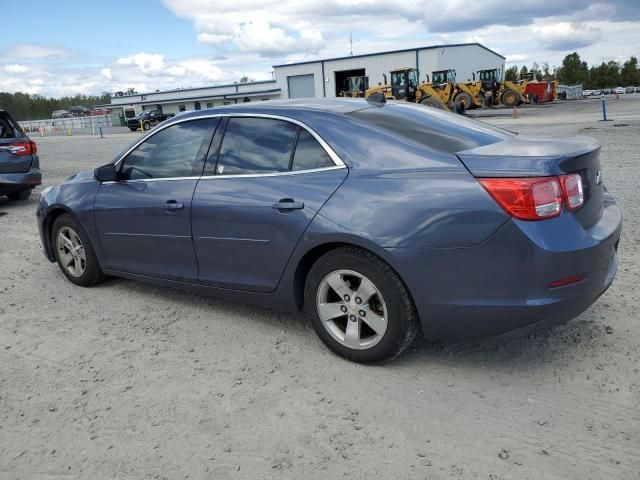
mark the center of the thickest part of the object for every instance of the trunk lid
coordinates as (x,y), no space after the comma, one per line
(11,133)
(522,156)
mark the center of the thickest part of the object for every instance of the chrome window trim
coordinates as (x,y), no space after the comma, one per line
(338,163)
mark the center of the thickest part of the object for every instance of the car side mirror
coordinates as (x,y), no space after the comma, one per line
(106,173)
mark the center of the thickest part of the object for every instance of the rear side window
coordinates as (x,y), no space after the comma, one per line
(309,153)
(176,151)
(256,145)
(432,127)
(7,129)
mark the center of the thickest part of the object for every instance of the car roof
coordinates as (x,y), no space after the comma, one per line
(341,106)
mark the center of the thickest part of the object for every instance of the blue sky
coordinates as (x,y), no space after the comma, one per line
(66,47)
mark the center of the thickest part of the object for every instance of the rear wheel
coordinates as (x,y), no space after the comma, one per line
(432,102)
(146,125)
(510,98)
(74,252)
(21,195)
(359,307)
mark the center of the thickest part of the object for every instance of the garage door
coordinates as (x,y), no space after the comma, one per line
(301,86)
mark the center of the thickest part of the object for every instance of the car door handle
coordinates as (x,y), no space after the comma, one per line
(288,204)
(173,205)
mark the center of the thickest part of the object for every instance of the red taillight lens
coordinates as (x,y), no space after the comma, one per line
(526,198)
(572,190)
(20,149)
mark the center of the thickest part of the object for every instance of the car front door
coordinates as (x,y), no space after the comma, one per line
(144,218)
(263,185)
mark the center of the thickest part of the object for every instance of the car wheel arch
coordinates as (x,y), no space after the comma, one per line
(52,214)
(312,255)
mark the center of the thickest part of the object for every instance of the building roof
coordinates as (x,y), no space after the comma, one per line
(235,84)
(431,47)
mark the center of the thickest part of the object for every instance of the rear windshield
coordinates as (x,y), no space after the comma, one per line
(434,128)
(7,127)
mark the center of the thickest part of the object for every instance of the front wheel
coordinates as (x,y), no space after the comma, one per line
(146,125)
(74,252)
(359,307)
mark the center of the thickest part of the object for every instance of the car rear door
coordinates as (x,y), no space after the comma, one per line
(263,184)
(144,218)
(16,150)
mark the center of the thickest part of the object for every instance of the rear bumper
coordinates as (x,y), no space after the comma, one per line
(502,285)
(14,182)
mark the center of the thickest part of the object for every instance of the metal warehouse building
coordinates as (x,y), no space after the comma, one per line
(317,78)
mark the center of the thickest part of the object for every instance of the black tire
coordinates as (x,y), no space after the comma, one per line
(432,102)
(465,99)
(92,273)
(401,321)
(146,125)
(133,129)
(21,195)
(510,98)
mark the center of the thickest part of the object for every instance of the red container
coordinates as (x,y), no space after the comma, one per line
(540,92)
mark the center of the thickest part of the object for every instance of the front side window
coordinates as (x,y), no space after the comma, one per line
(256,145)
(172,152)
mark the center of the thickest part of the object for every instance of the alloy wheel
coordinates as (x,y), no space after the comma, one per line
(71,252)
(352,309)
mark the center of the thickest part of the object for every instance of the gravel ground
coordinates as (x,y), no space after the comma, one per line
(131,381)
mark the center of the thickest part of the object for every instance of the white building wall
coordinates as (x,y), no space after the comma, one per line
(283,72)
(466,60)
(374,65)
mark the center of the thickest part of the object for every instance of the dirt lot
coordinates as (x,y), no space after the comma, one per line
(132,381)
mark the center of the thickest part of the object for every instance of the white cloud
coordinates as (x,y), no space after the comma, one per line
(147,62)
(106,73)
(567,36)
(517,57)
(16,68)
(36,51)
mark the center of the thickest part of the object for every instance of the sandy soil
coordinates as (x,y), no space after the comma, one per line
(131,381)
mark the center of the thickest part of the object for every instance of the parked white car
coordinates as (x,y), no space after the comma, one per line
(587,93)
(619,90)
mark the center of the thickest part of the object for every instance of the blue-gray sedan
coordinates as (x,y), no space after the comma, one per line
(379,220)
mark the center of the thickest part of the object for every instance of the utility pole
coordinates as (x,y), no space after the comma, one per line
(350,45)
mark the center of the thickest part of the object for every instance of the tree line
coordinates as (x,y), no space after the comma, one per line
(24,106)
(574,71)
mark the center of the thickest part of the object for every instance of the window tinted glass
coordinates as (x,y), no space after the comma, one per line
(6,126)
(256,145)
(309,153)
(434,128)
(172,152)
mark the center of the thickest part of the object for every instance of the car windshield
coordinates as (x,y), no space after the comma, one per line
(432,127)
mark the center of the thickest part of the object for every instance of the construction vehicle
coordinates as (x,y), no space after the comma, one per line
(494,91)
(355,87)
(444,82)
(405,86)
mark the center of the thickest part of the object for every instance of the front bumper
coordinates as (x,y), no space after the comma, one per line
(503,284)
(14,182)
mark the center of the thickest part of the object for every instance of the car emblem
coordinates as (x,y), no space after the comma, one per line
(598,177)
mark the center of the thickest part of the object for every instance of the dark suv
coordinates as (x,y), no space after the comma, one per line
(19,163)
(149,118)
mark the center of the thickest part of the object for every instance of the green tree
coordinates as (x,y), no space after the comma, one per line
(630,75)
(511,73)
(573,70)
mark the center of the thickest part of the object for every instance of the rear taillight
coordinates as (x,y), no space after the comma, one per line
(20,149)
(536,198)
(572,190)
(526,198)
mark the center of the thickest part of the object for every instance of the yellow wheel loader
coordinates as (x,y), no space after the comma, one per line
(356,87)
(494,91)
(405,86)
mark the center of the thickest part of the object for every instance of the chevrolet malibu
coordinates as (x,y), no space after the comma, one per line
(379,220)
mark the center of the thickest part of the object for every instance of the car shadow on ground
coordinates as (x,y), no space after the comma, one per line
(535,350)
